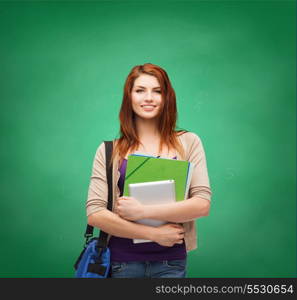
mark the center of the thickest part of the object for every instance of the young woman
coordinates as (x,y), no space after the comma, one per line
(147,125)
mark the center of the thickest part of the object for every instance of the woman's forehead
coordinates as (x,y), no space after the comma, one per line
(145,80)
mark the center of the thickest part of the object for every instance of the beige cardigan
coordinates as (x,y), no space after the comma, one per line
(200,187)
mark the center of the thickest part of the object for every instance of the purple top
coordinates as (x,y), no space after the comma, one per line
(123,249)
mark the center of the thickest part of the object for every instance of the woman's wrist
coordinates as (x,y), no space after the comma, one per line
(146,212)
(151,233)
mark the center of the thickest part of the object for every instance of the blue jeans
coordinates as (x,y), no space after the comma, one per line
(149,269)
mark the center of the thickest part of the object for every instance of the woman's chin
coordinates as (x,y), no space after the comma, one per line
(147,116)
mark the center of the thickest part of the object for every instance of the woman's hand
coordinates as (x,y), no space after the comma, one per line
(129,208)
(169,234)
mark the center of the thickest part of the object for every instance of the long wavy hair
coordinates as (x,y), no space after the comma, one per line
(129,140)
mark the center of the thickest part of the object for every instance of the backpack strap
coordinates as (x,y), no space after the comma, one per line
(102,239)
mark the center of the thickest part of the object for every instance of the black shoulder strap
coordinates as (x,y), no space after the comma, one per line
(102,239)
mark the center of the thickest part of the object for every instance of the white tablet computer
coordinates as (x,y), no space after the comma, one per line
(153,192)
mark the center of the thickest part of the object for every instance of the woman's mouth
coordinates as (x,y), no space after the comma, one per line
(148,107)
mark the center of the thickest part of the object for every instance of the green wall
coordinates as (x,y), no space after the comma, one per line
(233,67)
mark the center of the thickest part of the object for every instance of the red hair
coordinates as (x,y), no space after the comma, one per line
(129,140)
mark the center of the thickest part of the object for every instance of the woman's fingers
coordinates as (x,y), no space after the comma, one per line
(178,226)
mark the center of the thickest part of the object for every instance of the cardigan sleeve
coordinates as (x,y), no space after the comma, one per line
(199,185)
(97,193)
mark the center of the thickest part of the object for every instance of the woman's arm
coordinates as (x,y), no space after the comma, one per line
(115,225)
(111,223)
(131,209)
(182,211)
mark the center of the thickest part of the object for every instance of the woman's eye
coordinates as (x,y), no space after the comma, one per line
(142,91)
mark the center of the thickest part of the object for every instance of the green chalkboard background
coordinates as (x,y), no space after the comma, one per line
(233,67)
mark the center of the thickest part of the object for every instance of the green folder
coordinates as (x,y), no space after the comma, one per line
(142,168)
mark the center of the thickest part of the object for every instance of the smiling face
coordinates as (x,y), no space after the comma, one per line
(146,97)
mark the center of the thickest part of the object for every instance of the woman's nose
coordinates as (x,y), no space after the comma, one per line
(149,95)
